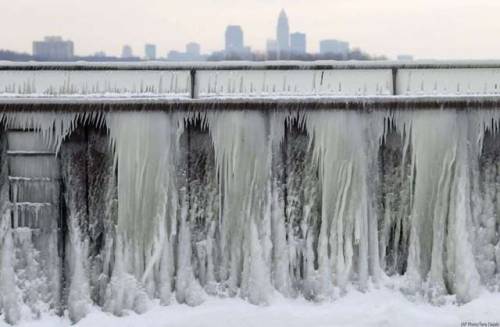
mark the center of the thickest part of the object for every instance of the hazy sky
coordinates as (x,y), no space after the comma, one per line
(424,28)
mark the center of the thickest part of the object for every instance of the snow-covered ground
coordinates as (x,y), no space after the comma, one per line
(378,307)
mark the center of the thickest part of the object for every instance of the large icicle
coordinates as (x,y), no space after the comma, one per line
(147,209)
(242,153)
(440,251)
(344,145)
(74,175)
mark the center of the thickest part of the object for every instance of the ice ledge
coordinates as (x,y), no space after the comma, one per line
(72,103)
(250,65)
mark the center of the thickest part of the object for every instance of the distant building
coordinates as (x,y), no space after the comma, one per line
(193,49)
(405,57)
(283,35)
(127,52)
(53,48)
(298,43)
(234,40)
(150,52)
(271,48)
(176,56)
(335,47)
(193,53)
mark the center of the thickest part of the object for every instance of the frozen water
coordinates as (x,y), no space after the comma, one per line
(92,83)
(250,80)
(378,307)
(171,208)
(264,83)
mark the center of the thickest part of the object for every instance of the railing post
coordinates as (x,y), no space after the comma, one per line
(194,90)
(394,81)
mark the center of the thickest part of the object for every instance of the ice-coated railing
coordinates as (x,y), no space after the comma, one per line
(248,81)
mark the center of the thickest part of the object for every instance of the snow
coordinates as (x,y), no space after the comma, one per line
(377,307)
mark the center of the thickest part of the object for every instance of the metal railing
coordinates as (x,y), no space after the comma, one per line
(399,72)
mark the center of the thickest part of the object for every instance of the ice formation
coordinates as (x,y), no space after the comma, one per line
(117,209)
(94,83)
(329,79)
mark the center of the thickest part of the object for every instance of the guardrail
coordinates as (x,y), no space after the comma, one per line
(255,80)
(252,65)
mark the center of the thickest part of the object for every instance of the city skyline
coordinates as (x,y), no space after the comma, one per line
(468,32)
(286,45)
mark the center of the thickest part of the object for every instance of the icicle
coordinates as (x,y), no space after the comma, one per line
(145,158)
(241,143)
(342,155)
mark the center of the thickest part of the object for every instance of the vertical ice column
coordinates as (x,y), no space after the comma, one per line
(102,210)
(74,158)
(462,275)
(242,153)
(345,146)
(147,209)
(440,251)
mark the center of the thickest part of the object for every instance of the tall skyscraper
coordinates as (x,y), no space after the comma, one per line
(283,36)
(53,48)
(298,43)
(150,51)
(127,51)
(234,40)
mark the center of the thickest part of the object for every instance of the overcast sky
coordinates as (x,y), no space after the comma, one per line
(425,28)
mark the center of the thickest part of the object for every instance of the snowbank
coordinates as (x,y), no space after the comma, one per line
(382,307)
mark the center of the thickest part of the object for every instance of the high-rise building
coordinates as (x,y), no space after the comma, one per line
(193,49)
(298,43)
(234,40)
(150,52)
(283,36)
(127,51)
(53,48)
(335,47)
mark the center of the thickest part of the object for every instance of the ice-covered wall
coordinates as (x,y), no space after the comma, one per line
(446,81)
(109,83)
(265,83)
(282,80)
(181,206)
